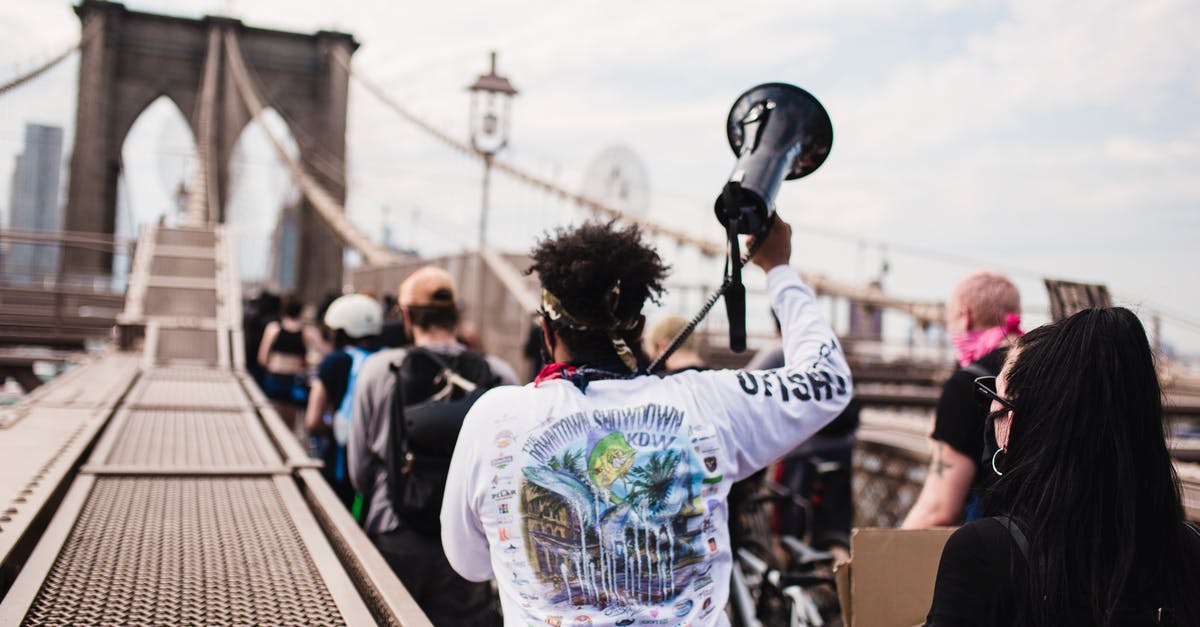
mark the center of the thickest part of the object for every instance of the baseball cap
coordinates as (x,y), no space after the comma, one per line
(429,286)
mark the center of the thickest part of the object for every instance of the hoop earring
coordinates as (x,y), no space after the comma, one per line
(994,455)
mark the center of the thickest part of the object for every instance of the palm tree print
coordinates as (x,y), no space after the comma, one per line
(652,481)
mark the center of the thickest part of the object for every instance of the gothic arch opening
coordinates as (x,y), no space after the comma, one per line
(158,160)
(262,209)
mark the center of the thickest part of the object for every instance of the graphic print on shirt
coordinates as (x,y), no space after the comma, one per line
(611,507)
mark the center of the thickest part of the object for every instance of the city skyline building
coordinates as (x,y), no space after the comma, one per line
(285,242)
(34,203)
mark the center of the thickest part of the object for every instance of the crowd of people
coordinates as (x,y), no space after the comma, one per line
(601,493)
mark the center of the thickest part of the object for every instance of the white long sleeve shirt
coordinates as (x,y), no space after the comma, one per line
(608,506)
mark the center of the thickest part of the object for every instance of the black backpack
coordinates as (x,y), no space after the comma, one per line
(431,397)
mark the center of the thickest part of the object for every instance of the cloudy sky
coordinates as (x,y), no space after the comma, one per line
(1043,138)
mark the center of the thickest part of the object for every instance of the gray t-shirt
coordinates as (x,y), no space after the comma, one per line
(366,449)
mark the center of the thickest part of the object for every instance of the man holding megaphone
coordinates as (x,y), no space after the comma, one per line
(597,493)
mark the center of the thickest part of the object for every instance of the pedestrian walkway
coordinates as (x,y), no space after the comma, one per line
(195,504)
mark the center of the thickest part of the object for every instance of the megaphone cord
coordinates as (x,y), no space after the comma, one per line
(687,330)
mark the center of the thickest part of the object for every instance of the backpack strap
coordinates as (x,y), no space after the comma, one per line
(397,439)
(1018,536)
(452,376)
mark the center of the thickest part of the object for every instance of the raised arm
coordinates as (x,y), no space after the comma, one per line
(768,412)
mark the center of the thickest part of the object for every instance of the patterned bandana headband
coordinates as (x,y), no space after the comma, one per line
(554,310)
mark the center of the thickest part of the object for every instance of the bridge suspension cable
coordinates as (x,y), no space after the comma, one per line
(329,209)
(88,33)
(706,247)
(923,312)
(314,155)
(202,195)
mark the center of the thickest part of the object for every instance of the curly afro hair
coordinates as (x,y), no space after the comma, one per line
(580,265)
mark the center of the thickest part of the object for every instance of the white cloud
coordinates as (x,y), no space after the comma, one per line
(1043,57)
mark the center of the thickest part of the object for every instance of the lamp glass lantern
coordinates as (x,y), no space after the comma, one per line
(491,100)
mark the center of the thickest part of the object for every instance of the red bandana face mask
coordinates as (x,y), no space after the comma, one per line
(973,345)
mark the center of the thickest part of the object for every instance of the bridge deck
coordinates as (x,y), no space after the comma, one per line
(187,509)
(160,487)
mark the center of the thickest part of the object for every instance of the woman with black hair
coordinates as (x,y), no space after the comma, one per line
(1086,524)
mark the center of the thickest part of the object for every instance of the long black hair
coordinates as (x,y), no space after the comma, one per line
(1088,475)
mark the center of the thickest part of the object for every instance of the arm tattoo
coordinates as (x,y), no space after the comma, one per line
(939,466)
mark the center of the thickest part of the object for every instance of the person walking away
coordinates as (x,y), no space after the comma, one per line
(256,315)
(597,494)
(355,321)
(402,473)
(283,353)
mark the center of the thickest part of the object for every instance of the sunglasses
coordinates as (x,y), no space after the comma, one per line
(985,393)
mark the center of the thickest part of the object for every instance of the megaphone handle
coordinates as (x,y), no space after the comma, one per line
(738,313)
(735,294)
(735,309)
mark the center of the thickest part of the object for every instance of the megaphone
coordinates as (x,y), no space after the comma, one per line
(778,131)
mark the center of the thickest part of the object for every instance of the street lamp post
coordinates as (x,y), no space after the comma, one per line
(491,99)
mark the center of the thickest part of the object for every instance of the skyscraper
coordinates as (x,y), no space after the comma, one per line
(33,205)
(284,245)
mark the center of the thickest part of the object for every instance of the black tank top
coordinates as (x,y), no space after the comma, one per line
(288,343)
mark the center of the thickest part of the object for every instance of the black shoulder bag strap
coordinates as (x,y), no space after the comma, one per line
(1018,536)
(397,433)
(1194,528)
(452,376)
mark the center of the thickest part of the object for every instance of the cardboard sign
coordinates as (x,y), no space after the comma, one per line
(889,580)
